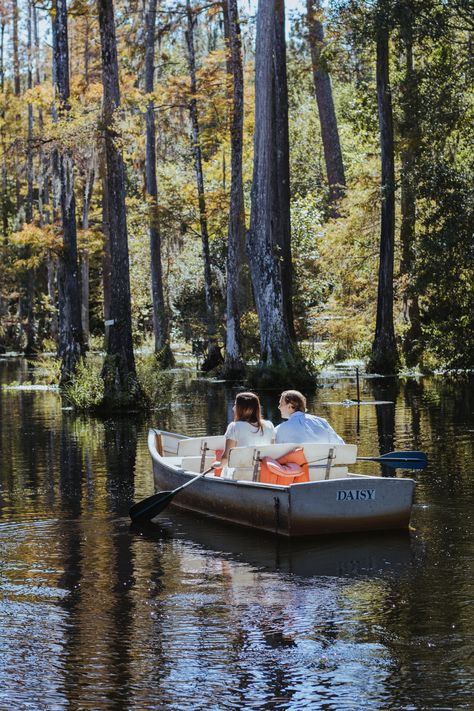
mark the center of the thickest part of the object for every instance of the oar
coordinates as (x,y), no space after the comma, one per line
(400,460)
(153,505)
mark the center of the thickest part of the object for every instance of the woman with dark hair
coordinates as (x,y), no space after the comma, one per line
(248,427)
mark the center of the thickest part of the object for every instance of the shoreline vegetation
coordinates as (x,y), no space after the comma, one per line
(249,182)
(85,391)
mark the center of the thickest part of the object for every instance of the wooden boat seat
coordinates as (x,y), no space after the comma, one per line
(326,461)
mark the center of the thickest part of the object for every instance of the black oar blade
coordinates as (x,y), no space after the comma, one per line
(417,456)
(405,460)
(403,463)
(400,460)
(149,508)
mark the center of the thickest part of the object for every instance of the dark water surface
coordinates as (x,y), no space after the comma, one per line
(195,615)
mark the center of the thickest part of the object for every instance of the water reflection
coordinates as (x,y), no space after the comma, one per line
(355,556)
(192,614)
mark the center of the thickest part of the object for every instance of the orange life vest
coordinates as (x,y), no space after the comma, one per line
(292,468)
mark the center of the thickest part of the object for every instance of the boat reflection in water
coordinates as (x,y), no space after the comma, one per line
(342,555)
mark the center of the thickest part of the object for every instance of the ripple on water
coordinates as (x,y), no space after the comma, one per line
(197,616)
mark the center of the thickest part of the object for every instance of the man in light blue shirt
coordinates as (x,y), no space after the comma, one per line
(299,426)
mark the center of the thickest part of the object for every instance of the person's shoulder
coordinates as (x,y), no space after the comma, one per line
(267,424)
(231,429)
(241,426)
(316,418)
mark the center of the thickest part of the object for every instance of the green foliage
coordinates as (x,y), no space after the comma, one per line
(157,384)
(48,370)
(335,260)
(298,373)
(348,338)
(446,267)
(250,332)
(311,286)
(86,389)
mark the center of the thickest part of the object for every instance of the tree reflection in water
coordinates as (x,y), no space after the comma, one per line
(192,614)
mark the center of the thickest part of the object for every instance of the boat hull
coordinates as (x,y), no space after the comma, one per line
(354,503)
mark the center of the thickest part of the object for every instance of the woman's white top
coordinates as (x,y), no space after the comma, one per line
(247,435)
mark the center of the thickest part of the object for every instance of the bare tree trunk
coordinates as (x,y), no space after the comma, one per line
(324,99)
(213,357)
(84,256)
(106,257)
(233,363)
(409,129)
(277,346)
(16,89)
(384,356)
(5,210)
(121,385)
(282,154)
(70,337)
(31,346)
(51,267)
(160,321)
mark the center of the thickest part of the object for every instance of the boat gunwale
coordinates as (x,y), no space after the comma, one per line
(176,469)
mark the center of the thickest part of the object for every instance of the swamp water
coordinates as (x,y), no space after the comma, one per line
(190,614)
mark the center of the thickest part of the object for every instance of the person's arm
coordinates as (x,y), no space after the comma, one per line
(273,433)
(229,444)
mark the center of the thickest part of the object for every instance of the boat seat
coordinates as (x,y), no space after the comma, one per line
(321,464)
(193,464)
(174,461)
(318,473)
(168,441)
(195,446)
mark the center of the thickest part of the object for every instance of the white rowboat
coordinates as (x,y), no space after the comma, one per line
(333,501)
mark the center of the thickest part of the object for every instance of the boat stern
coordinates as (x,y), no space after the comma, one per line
(355,503)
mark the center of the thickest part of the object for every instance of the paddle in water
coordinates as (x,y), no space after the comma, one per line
(150,507)
(399,460)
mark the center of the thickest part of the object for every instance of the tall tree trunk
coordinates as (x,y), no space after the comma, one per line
(16,89)
(277,346)
(233,363)
(70,338)
(409,129)
(31,346)
(160,321)
(213,357)
(384,356)
(324,99)
(106,258)
(27,287)
(282,154)
(84,256)
(5,209)
(121,384)
(44,199)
